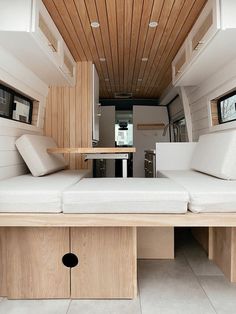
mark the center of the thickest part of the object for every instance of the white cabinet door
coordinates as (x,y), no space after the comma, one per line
(96,105)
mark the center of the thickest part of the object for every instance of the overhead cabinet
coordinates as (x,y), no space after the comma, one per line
(210,44)
(29,33)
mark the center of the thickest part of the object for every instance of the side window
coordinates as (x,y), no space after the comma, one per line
(15,106)
(226,107)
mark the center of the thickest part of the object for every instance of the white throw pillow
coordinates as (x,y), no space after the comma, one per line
(215,154)
(33,149)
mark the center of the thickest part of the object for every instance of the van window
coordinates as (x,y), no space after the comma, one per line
(15,106)
(226,107)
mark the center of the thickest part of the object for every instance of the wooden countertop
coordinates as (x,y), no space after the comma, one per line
(91,150)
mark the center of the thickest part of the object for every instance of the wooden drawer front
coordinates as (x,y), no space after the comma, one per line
(180,63)
(69,65)
(44,28)
(107,263)
(198,38)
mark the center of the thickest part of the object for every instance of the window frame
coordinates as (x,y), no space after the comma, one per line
(219,107)
(13,93)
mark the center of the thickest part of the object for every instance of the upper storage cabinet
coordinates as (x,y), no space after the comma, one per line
(209,45)
(28,32)
(204,29)
(180,61)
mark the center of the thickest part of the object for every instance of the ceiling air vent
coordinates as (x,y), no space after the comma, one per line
(123,95)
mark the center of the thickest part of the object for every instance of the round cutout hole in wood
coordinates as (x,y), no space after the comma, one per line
(70,260)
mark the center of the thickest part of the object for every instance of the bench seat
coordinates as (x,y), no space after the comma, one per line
(206,193)
(119,195)
(37,194)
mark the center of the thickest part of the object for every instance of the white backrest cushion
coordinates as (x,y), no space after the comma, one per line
(215,154)
(33,149)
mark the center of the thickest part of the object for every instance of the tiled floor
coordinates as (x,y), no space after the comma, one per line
(190,284)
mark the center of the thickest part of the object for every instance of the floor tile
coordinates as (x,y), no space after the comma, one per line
(221,292)
(198,260)
(34,306)
(105,307)
(170,287)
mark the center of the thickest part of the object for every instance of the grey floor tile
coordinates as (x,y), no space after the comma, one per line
(198,260)
(221,292)
(105,307)
(34,306)
(170,287)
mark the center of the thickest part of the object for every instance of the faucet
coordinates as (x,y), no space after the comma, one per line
(175,127)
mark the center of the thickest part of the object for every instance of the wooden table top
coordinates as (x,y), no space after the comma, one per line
(91,150)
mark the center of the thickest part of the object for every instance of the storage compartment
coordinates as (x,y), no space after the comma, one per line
(63,262)
(34,39)
(205,46)
(179,63)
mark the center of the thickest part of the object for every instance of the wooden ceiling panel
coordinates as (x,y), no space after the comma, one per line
(124,38)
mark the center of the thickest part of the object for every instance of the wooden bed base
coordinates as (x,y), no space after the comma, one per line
(32,247)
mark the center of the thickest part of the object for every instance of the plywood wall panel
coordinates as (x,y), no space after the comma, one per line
(69,115)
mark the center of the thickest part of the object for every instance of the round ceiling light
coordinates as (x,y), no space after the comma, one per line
(144,59)
(153,24)
(95,24)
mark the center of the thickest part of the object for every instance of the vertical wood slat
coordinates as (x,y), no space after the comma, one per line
(69,115)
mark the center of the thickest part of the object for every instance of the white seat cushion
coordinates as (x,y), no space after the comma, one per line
(43,194)
(130,195)
(215,154)
(207,193)
(33,149)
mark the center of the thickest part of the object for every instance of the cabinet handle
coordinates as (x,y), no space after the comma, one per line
(199,44)
(52,47)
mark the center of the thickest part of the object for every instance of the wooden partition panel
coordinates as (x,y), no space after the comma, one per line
(68,116)
(107,263)
(3,262)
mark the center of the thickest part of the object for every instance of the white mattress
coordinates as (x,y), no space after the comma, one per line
(207,193)
(130,195)
(37,194)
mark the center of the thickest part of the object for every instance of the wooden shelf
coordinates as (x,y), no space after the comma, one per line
(118,220)
(91,150)
(151,126)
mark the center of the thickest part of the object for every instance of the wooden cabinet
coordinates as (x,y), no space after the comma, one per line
(35,263)
(209,45)
(204,29)
(180,62)
(29,33)
(95,104)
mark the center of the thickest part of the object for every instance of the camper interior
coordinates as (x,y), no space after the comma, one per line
(117,156)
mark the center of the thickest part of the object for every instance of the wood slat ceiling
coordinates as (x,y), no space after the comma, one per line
(124,38)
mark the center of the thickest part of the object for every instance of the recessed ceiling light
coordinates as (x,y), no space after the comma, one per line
(140,79)
(107,79)
(153,24)
(144,59)
(102,59)
(95,24)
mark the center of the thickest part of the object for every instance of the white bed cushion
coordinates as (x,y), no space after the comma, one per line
(206,193)
(215,154)
(33,149)
(37,194)
(130,195)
